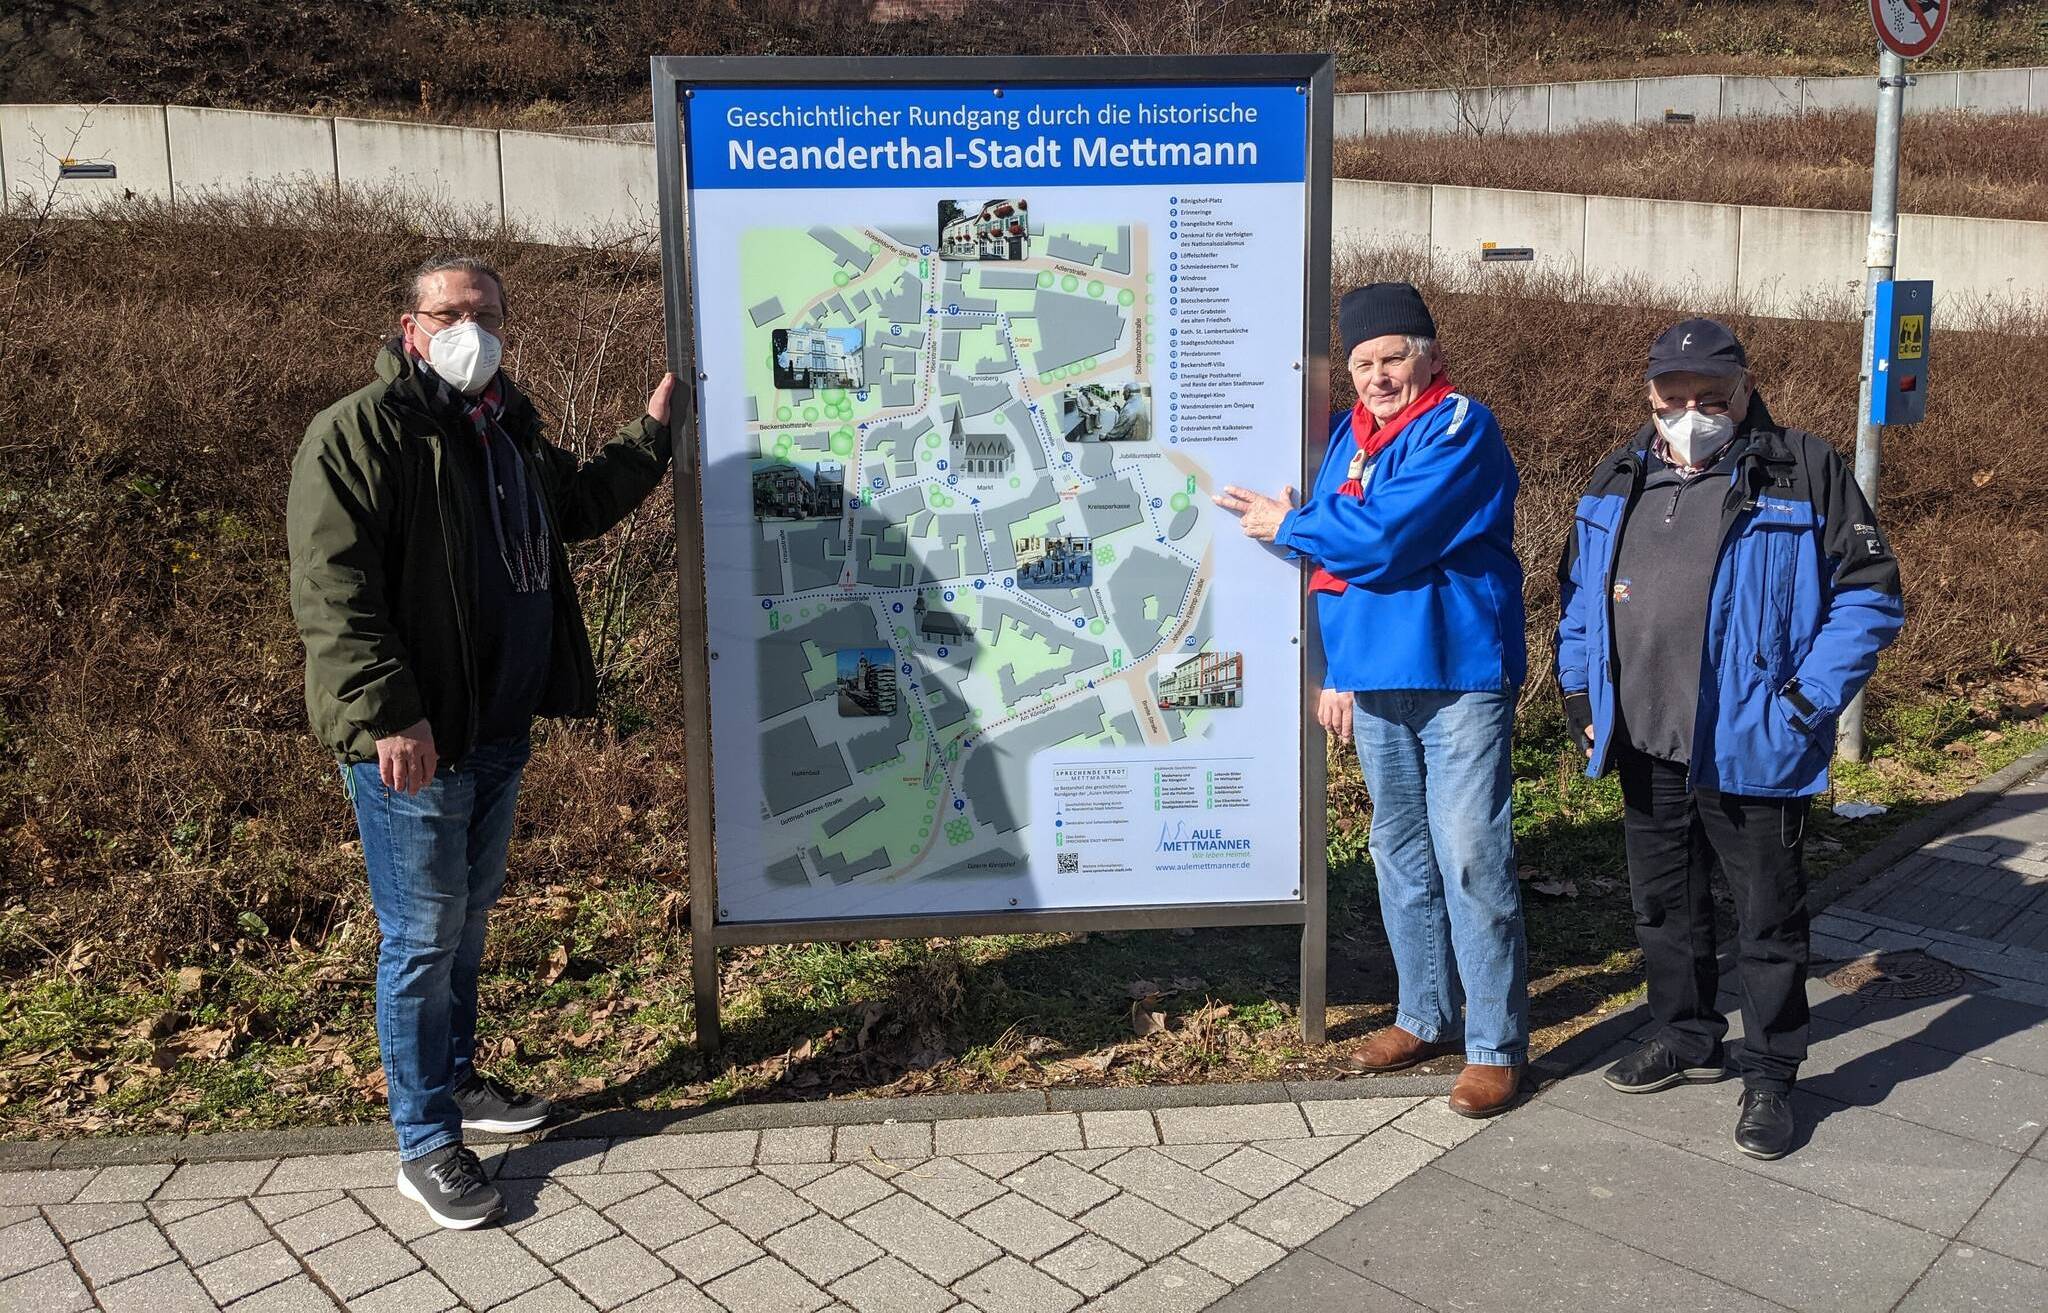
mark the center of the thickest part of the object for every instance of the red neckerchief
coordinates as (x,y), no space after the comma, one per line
(1372,438)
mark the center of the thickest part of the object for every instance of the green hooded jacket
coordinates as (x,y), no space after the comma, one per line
(383,560)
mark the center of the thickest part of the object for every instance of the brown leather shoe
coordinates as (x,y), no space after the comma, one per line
(1482,1091)
(1393,1049)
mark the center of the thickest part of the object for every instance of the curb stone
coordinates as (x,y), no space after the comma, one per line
(242,1146)
(1921,831)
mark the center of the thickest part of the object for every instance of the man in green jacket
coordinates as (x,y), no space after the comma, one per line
(427,521)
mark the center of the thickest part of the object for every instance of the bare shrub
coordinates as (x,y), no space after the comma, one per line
(1562,369)
(1989,165)
(160,797)
(156,779)
(490,63)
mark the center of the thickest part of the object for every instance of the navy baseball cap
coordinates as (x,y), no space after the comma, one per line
(1698,346)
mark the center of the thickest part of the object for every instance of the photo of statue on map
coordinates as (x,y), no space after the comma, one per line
(799,490)
(867,681)
(1097,412)
(811,358)
(993,230)
(1203,681)
(1055,562)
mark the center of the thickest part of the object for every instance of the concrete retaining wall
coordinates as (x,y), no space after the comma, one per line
(228,149)
(458,167)
(1582,104)
(1801,262)
(1787,262)
(1464,221)
(1694,250)
(1975,258)
(1754,97)
(35,139)
(1370,214)
(563,188)
(1563,106)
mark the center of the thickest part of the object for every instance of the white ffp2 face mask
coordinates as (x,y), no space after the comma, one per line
(1692,435)
(465,355)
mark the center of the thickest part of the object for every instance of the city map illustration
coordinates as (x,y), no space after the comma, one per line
(971,542)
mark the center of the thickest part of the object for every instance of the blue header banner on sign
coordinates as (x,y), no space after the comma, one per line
(753,138)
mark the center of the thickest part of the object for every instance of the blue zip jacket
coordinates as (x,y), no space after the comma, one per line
(1805,595)
(1436,589)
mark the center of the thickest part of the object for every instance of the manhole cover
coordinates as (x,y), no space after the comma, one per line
(1911,974)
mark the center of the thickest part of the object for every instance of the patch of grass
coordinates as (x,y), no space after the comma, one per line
(1992,166)
(613,1026)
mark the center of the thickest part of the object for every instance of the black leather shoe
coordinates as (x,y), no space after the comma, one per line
(1764,1128)
(1655,1067)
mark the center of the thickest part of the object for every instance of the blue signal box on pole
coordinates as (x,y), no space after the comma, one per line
(1902,341)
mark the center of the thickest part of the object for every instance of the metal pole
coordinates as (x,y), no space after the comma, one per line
(694,625)
(1881,258)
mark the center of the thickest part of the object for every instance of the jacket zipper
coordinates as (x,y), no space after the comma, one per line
(1638,470)
(561,582)
(462,585)
(1730,514)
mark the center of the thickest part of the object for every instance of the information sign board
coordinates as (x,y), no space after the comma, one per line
(974,342)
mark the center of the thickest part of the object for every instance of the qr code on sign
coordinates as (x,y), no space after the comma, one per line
(1070,863)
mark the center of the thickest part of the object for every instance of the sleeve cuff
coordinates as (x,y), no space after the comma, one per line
(1800,710)
(1286,530)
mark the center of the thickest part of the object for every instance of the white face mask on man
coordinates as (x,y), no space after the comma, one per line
(465,355)
(1693,436)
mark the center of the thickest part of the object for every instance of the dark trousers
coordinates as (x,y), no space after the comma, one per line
(1675,834)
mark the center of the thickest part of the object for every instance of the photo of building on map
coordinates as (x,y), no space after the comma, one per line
(1096,412)
(1203,681)
(984,452)
(799,490)
(1044,561)
(935,624)
(993,230)
(812,358)
(867,681)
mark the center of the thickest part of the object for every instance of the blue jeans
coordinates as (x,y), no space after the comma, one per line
(1443,846)
(436,861)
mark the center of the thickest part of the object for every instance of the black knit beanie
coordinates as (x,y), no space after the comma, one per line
(1382,310)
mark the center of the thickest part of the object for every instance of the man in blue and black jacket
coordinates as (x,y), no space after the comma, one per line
(1725,592)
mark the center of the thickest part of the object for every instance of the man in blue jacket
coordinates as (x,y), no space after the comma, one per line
(1411,527)
(1725,592)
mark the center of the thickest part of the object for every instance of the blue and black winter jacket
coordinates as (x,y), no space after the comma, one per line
(1805,595)
(1435,596)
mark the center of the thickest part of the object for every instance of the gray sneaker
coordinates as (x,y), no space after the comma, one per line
(449,1183)
(493,1106)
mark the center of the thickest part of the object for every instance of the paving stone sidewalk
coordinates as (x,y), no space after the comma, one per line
(1921,1182)
(1145,1210)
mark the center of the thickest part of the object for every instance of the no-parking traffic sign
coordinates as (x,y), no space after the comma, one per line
(1910,27)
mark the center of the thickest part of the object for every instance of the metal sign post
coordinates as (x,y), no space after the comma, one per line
(761,121)
(1907,29)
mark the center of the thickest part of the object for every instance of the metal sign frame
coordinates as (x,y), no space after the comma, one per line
(674,77)
(1885,13)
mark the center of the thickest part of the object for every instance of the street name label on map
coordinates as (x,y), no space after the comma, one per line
(982,640)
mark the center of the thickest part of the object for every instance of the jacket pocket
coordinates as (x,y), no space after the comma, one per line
(1760,744)
(1771,563)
